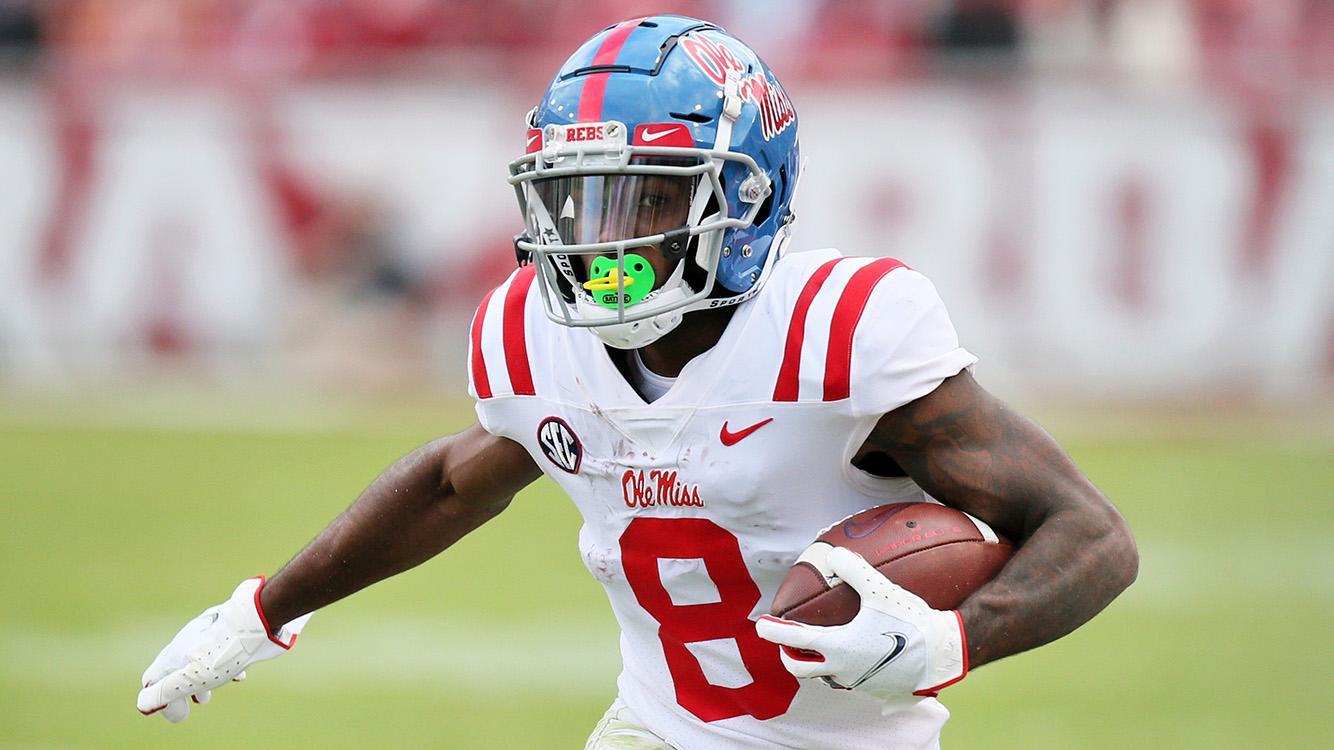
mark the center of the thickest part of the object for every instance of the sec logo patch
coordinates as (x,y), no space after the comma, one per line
(560,444)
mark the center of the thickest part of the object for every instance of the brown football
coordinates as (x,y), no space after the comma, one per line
(939,553)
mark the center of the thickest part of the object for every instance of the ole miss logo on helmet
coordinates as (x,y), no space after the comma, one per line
(560,444)
(716,60)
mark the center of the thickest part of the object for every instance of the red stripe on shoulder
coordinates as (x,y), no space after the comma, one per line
(848,311)
(479,379)
(590,97)
(516,341)
(789,373)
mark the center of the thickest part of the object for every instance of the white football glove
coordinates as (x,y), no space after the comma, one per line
(212,649)
(897,646)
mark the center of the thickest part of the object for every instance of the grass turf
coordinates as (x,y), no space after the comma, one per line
(113,536)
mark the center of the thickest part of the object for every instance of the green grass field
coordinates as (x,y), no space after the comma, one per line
(115,535)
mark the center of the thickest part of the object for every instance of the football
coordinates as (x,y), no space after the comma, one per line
(939,553)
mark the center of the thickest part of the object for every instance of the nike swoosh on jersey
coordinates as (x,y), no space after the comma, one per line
(649,136)
(732,438)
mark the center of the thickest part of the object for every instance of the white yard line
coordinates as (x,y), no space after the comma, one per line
(572,657)
(579,656)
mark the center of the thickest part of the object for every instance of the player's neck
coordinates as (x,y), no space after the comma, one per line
(698,333)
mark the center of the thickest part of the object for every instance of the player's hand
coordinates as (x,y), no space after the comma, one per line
(895,648)
(211,650)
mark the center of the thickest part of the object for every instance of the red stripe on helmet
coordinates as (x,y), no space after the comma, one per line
(590,98)
(848,311)
(789,373)
(516,342)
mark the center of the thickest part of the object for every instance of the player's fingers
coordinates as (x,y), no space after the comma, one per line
(176,711)
(172,688)
(202,697)
(786,632)
(859,574)
(802,664)
(184,683)
(172,656)
(152,674)
(876,591)
(150,700)
(161,667)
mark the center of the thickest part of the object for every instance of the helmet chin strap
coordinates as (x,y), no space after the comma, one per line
(639,333)
(731,111)
(722,141)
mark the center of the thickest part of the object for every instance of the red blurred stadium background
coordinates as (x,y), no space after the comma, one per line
(1119,199)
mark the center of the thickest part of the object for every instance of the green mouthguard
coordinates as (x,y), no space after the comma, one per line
(638,280)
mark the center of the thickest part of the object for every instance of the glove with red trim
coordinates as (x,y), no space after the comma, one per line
(895,648)
(211,650)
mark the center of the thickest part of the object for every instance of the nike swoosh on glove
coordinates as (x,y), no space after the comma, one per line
(211,650)
(896,648)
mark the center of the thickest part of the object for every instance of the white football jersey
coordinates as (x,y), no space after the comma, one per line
(696,505)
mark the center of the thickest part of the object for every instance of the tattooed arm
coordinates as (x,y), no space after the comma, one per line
(1075,553)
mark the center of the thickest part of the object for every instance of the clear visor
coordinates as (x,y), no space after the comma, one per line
(614,228)
(586,209)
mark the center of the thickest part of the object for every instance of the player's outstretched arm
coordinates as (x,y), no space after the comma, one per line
(420,505)
(1076,553)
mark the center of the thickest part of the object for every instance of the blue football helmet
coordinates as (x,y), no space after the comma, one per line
(663,132)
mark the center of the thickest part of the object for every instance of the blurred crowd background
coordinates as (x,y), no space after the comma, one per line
(241,241)
(1119,199)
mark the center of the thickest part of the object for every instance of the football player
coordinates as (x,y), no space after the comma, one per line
(710,402)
